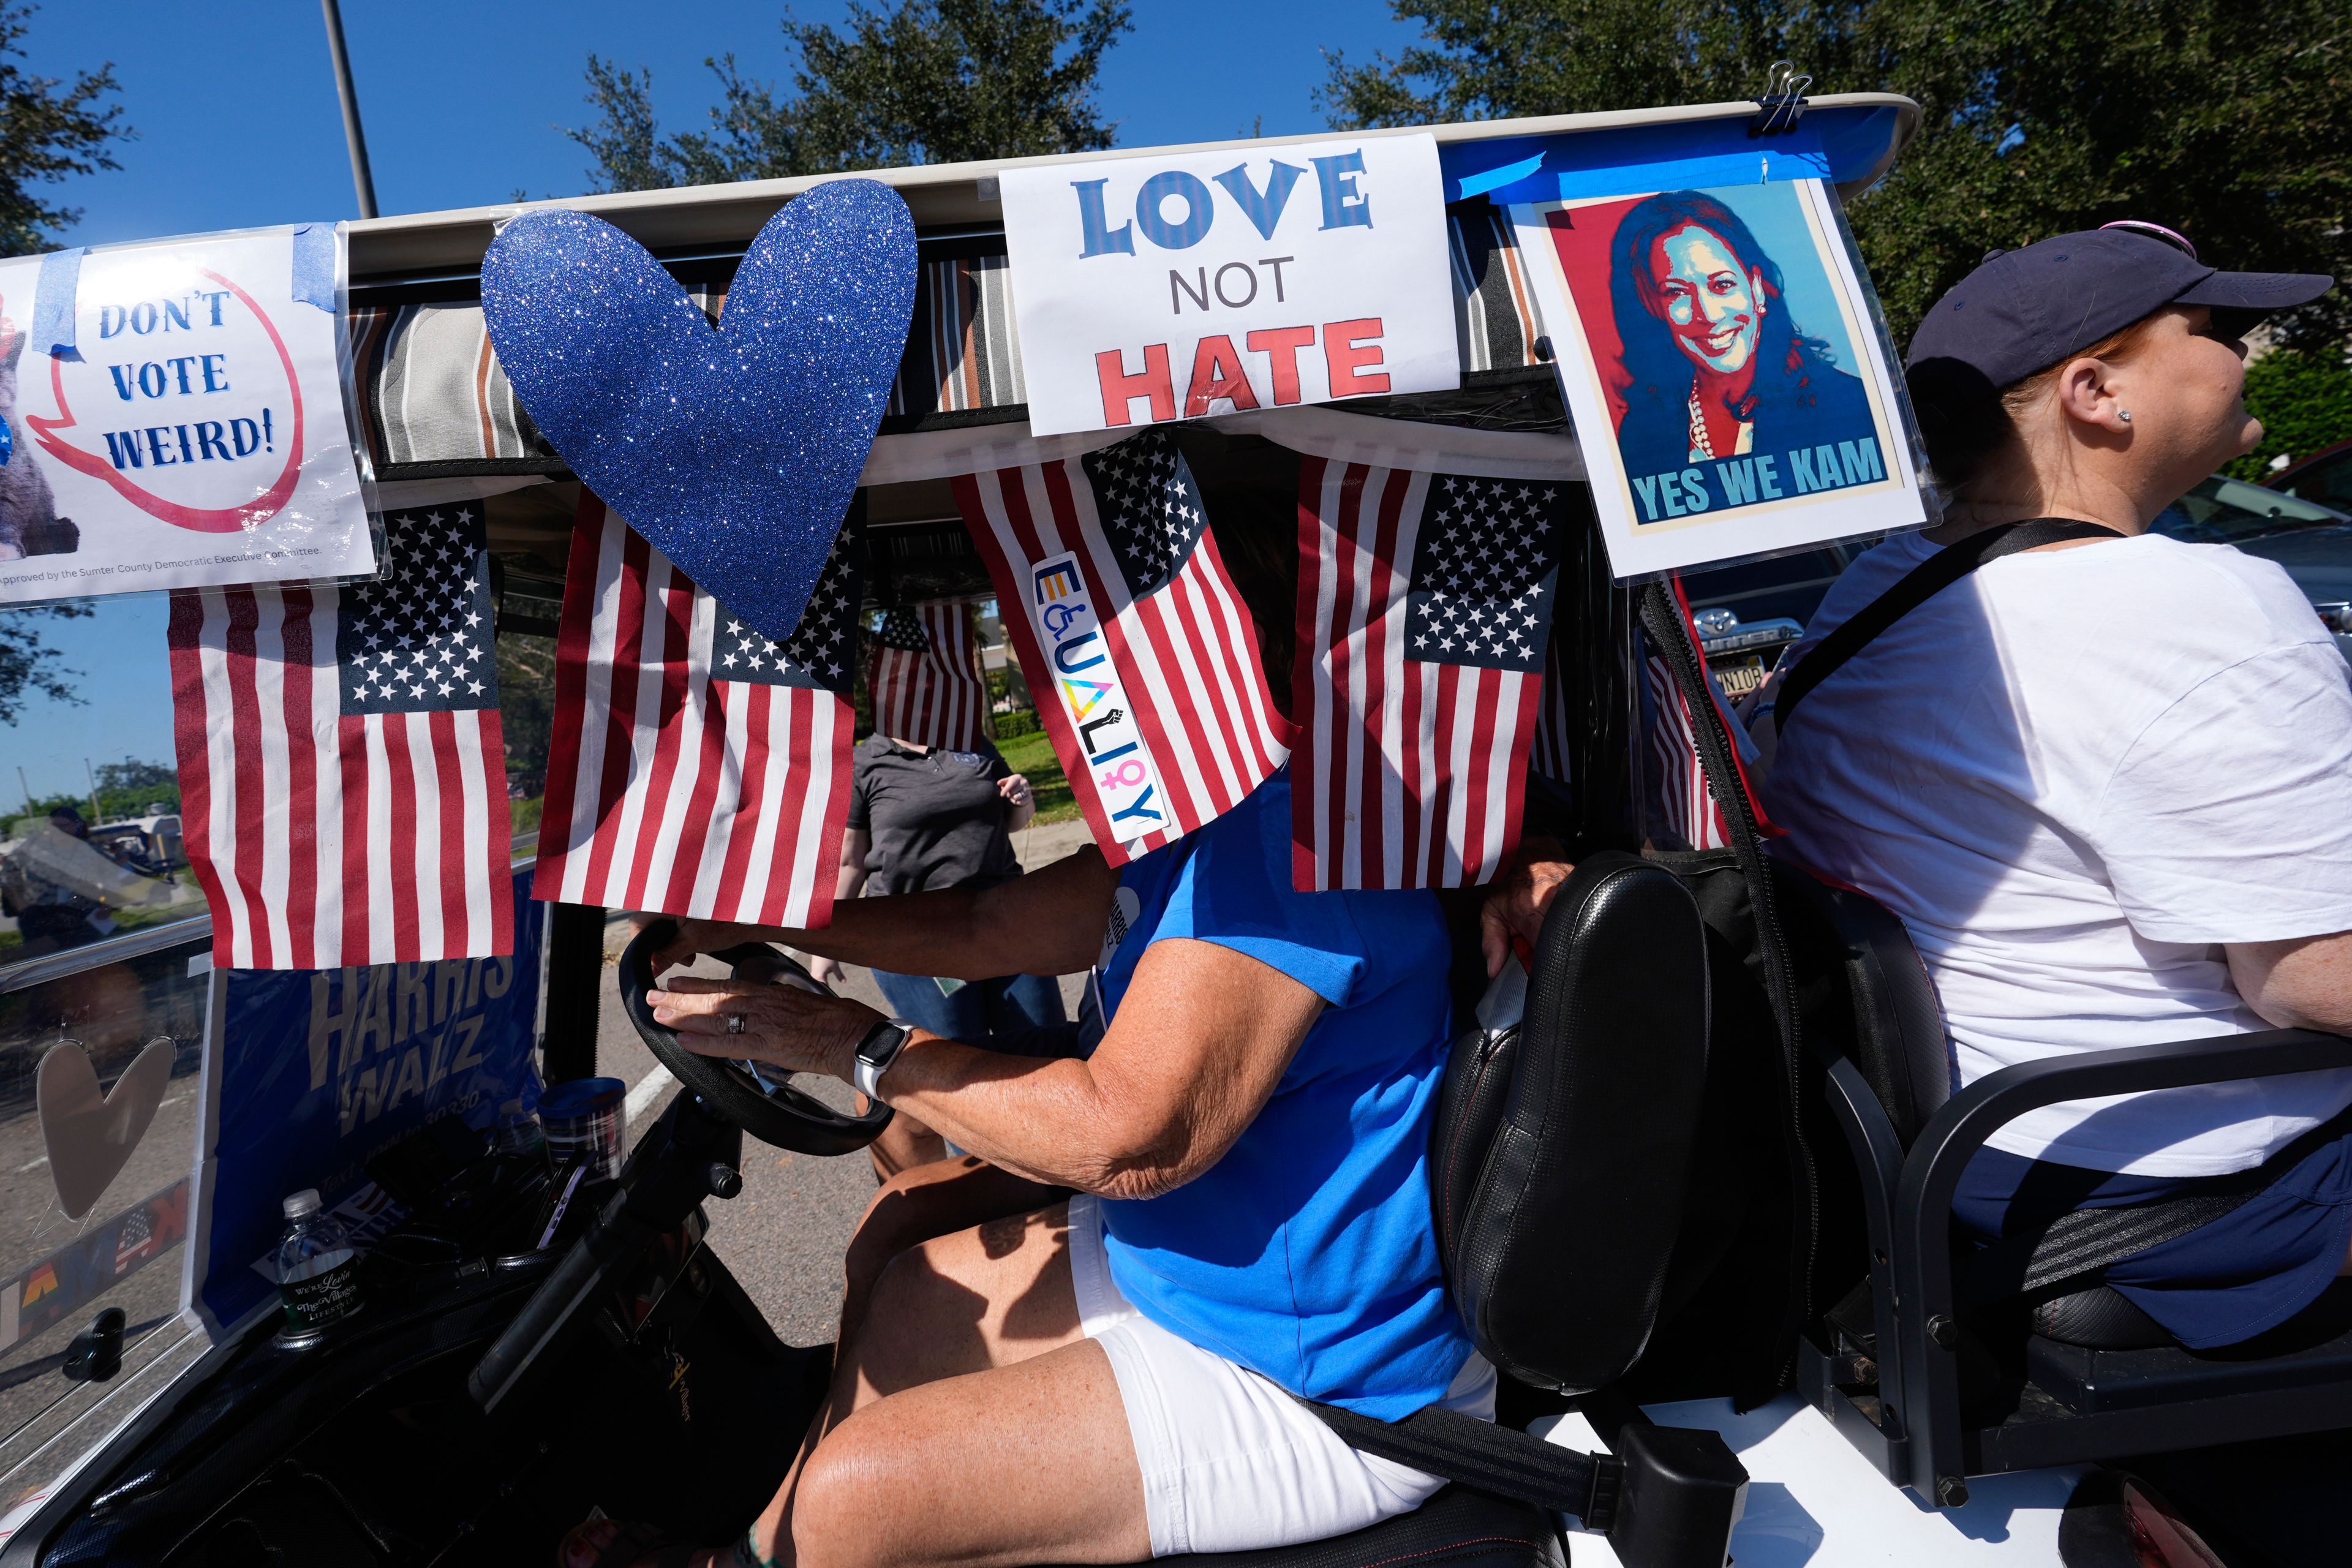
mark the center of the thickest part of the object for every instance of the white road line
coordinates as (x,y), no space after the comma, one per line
(648,1090)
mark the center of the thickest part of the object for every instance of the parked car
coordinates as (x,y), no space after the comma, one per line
(2324,476)
(1747,614)
(2313,542)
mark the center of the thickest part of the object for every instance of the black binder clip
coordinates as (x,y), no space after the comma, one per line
(1783,103)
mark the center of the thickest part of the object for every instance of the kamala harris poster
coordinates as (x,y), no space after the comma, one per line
(1731,390)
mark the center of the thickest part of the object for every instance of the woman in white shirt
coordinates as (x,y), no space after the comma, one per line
(2105,782)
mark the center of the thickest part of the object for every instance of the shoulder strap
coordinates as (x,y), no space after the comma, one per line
(1918,586)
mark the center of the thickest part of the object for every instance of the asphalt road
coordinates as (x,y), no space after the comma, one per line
(783,1236)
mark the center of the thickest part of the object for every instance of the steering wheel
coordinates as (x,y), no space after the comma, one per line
(781,1115)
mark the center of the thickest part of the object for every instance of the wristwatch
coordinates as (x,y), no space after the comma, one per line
(876,1051)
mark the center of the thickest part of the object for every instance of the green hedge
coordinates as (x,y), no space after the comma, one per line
(1012,726)
(2304,401)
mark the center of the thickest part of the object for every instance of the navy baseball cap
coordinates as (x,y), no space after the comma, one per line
(2022,312)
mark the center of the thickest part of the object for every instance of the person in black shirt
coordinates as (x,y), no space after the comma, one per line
(920,819)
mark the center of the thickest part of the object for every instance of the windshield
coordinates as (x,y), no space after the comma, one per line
(2222,511)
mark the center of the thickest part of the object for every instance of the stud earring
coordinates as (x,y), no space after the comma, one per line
(2126,415)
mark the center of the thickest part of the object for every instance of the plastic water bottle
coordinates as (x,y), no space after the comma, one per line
(318,1272)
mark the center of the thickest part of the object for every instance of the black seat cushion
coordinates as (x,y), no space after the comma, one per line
(1457,1527)
(1562,1148)
(1891,1025)
(2099,1319)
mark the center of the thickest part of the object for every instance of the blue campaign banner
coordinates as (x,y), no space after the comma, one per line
(308,1074)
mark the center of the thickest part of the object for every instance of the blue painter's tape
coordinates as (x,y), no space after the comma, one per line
(53,304)
(1495,179)
(1695,173)
(314,265)
(1839,144)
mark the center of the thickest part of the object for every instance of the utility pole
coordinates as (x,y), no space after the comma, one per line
(96,816)
(362,179)
(27,784)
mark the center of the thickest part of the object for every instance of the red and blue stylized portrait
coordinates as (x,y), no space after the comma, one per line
(1716,333)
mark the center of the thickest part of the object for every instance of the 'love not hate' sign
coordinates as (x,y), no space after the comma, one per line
(1164,288)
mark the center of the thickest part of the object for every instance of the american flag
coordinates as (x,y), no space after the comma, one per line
(1685,815)
(1552,754)
(1425,609)
(928,687)
(1684,810)
(341,768)
(1143,659)
(696,767)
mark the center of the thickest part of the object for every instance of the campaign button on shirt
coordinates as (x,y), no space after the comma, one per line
(1125,906)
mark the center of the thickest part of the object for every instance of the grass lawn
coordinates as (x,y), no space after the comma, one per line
(1033,755)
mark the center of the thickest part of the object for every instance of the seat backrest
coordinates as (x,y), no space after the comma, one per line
(1881,1010)
(1564,1133)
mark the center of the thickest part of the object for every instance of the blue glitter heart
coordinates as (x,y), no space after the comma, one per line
(734,450)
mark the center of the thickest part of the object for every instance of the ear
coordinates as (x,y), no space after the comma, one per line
(2084,393)
(1756,290)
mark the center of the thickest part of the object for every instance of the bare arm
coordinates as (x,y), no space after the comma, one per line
(856,843)
(2303,982)
(1048,922)
(1201,1040)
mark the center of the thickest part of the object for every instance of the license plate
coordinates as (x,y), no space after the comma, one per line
(1739,673)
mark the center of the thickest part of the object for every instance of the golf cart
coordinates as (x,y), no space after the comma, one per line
(1738,1326)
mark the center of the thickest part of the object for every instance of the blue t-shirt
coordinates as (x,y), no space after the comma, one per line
(1307,1254)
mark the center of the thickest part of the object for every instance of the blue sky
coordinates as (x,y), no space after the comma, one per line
(237,125)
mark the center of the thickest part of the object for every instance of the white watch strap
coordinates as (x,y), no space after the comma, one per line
(868,1075)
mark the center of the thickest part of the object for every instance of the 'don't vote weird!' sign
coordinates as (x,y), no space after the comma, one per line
(174,417)
(1155,289)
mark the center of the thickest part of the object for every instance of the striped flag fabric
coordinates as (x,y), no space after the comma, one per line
(1425,609)
(343,772)
(696,767)
(926,682)
(1118,604)
(1551,752)
(1684,811)
(1686,815)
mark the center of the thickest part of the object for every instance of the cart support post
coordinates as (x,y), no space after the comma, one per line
(362,179)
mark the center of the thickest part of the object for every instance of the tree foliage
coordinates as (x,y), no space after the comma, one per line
(26,658)
(135,777)
(50,129)
(927,82)
(2220,118)
(2305,401)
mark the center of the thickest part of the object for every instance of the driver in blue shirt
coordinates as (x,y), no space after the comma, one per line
(1110,1375)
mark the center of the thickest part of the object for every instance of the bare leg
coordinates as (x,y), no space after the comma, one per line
(903,1146)
(971,1422)
(929,1201)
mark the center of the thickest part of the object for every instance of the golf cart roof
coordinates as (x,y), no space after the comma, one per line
(1850,138)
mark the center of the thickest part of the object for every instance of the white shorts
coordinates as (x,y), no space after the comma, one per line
(1232,1463)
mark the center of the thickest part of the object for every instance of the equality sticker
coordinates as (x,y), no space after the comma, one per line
(1111,749)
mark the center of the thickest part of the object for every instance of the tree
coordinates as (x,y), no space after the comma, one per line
(24,655)
(134,777)
(930,81)
(2304,401)
(2220,118)
(50,129)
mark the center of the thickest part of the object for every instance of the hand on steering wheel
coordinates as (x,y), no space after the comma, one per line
(790,1024)
(777,1025)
